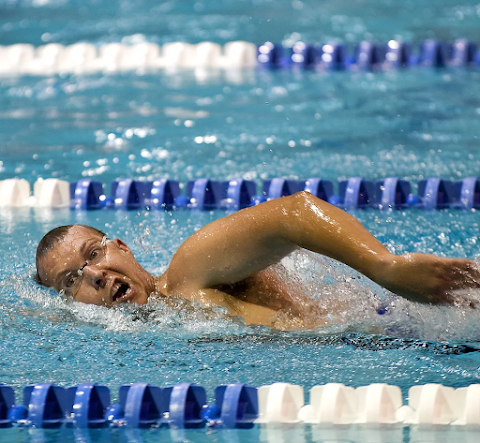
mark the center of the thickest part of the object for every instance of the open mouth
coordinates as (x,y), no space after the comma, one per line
(121,292)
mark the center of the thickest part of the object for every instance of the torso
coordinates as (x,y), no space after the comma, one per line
(263,288)
(266,288)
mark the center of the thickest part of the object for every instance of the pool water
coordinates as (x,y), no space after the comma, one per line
(253,124)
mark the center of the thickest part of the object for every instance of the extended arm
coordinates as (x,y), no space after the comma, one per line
(233,248)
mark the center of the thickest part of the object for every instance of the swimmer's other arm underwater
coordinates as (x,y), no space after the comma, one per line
(226,263)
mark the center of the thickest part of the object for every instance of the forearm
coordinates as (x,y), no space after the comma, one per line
(419,277)
(252,314)
(316,225)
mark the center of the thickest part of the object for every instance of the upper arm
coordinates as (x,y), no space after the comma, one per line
(229,250)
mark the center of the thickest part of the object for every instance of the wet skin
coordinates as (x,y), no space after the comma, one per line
(100,282)
(227,263)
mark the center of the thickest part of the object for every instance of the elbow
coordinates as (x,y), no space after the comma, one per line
(304,201)
(304,197)
(300,199)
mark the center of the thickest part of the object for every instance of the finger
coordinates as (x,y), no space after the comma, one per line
(461,273)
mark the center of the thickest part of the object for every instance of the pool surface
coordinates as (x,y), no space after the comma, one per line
(253,124)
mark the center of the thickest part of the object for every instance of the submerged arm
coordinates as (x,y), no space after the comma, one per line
(253,313)
(233,248)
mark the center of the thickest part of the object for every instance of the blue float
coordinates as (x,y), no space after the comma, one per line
(181,202)
(369,56)
(143,404)
(333,56)
(7,400)
(259,198)
(467,193)
(89,405)
(322,189)
(114,414)
(392,192)
(434,54)
(238,405)
(280,187)
(270,55)
(435,193)
(163,194)
(240,194)
(397,55)
(356,192)
(47,405)
(18,414)
(130,194)
(463,53)
(303,55)
(186,402)
(207,194)
(87,194)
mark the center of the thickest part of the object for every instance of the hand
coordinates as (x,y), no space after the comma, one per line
(430,279)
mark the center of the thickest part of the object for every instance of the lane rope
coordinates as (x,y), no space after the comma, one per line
(235,194)
(237,405)
(85,58)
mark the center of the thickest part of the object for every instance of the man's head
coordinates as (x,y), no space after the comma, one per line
(80,262)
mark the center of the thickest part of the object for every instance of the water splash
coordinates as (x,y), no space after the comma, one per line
(352,303)
(357,304)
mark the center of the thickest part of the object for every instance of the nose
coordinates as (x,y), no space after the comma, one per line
(95,276)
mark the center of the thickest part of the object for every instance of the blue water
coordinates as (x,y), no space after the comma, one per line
(254,124)
(412,124)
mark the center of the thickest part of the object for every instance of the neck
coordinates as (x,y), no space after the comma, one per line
(160,286)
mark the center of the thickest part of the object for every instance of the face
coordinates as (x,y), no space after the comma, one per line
(94,270)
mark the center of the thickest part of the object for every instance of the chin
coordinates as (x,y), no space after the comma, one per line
(141,299)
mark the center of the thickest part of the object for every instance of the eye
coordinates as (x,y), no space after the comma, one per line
(70,282)
(94,254)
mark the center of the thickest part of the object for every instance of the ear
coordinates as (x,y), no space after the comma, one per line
(121,245)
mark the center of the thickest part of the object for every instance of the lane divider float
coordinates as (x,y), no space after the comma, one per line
(141,405)
(84,58)
(235,194)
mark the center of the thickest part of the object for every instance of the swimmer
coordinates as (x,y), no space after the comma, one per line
(228,263)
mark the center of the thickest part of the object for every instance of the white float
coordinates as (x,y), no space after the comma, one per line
(141,55)
(208,55)
(52,193)
(333,403)
(16,58)
(240,55)
(48,58)
(179,55)
(110,57)
(379,403)
(14,192)
(279,403)
(79,57)
(430,404)
(467,405)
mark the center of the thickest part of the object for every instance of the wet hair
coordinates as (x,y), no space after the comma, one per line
(50,239)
